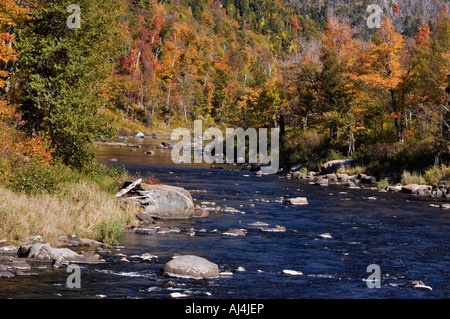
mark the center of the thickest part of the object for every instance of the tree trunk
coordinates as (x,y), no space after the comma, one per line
(394,109)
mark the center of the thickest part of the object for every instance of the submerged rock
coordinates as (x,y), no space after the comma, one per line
(276,229)
(191,267)
(235,232)
(258,224)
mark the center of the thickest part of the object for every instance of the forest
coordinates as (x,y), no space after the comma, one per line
(335,87)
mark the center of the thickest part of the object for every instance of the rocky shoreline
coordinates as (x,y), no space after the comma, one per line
(329,177)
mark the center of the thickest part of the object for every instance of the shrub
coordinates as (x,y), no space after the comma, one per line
(108,179)
(109,232)
(383,184)
(434,175)
(303,170)
(35,178)
(308,148)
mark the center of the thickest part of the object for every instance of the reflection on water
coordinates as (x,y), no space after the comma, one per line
(400,233)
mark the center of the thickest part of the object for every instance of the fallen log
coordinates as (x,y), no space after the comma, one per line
(129,188)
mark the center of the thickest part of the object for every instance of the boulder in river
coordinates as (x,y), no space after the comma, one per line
(417,189)
(139,135)
(161,201)
(191,267)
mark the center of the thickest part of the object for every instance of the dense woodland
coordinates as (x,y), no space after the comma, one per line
(335,87)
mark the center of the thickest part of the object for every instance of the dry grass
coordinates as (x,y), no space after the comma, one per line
(352,170)
(412,178)
(79,210)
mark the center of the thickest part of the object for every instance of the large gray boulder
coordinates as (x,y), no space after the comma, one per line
(332,166)
(417,189)
(167,202)
(191,267)
(58,256)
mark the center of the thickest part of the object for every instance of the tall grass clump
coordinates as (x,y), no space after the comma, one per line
(78,210)
(437,174)
(412,178)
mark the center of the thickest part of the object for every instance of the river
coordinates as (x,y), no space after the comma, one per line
(406,238)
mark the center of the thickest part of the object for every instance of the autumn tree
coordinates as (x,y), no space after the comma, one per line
(380,68)
(10,15)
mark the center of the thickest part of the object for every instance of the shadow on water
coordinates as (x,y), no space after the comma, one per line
(405,237)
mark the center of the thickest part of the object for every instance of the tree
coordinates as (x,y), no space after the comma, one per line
(10,15)
(381,69)
(61,74)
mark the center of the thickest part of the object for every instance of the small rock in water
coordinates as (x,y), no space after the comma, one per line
(259,224)
(178,295)
(235,232)
(326,236)
(299,201)
(276,229)
(292,272)
(6,274)
(226,274)
(419,284)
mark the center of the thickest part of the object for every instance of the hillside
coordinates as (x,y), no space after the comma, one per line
(313,68)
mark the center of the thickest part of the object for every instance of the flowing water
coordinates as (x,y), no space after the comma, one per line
(400,233)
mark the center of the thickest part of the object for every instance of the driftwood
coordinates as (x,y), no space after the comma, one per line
(142,200)
(129,188)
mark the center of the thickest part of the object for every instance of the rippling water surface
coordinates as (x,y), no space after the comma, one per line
(405,237)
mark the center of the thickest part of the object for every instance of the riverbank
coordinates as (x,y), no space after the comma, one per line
(79,209)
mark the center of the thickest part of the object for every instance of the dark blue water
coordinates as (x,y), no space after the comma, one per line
(401,234)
